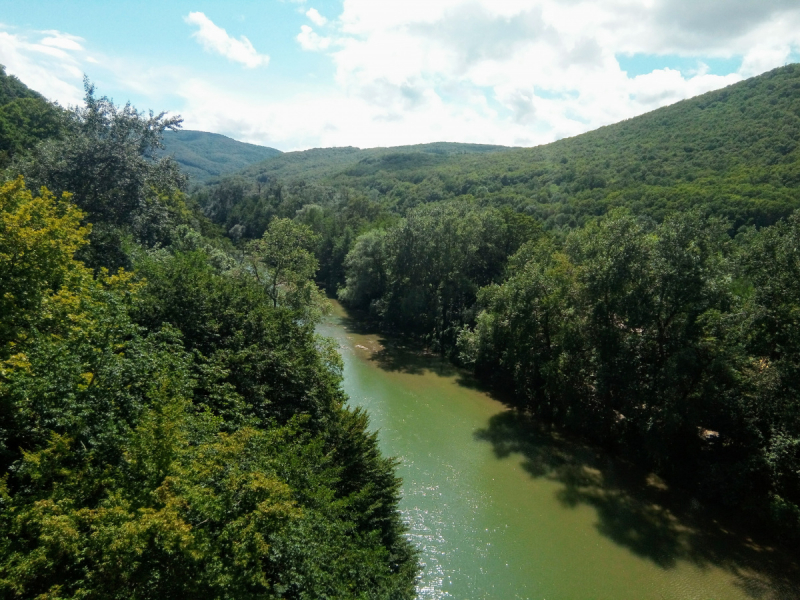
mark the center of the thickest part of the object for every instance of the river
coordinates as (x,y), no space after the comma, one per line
(503,508)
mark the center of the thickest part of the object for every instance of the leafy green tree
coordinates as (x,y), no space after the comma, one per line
(423,274)
(770,267)
(38,237)
(284,263)
(366,265)
(24,122)
(108,163)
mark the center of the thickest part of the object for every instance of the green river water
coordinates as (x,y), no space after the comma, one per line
(501,508)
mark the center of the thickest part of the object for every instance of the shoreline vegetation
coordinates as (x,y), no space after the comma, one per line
(633,507)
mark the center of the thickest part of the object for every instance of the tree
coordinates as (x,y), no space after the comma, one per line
(38,238)
(284,262)
(366,268)
(108,163)
(24,122)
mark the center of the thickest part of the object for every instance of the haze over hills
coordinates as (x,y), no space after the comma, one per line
(205,156)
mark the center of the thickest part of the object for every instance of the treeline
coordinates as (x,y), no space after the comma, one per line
(170,424)
(669,341)
(26,118)
(422,276)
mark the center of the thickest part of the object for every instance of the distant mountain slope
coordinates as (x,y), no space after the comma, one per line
(11,88)
(319,163)
(204,156)
(26,118)
(735,152)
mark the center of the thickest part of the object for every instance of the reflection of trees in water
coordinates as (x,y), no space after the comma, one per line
(639,512)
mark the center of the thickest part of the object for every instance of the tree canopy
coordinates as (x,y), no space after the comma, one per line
(174,428)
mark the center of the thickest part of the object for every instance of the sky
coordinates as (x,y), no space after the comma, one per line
(298,74)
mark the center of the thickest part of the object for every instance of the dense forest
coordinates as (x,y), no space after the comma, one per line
(637,284)
(170,424)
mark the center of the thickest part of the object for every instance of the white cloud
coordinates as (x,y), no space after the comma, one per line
(518,72)
(531,71)
(216,39)
(57,39)
(51,66)
(310,40)
(315,17)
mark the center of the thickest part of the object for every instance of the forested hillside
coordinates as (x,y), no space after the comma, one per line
(637,284)
(205,156)
(319,164)
(732,152)
(25,118)
(170,424)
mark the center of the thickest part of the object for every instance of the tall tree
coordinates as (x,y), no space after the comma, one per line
(284,262)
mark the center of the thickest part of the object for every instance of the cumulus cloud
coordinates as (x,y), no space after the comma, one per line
(309,40)
(315,17)
(517,72)
(535,70)
(51,64)
(215,39)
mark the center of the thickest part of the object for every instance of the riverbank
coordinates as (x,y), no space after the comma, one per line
(502,507)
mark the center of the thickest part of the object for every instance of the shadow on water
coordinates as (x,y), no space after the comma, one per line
(396,354)
(638,511)
(635,509)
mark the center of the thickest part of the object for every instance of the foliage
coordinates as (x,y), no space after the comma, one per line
(320,163)
(423,274)
(25,122)
(172,431)
(283,262)
(38,237)
(108,164)
(25,118)
(663,340)
(11,88)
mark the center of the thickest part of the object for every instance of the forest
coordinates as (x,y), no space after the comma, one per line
(171,424)
(636,285)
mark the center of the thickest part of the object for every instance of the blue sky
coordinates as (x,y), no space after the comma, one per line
(299,74)
(155,33)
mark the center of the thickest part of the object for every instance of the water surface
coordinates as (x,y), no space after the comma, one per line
(502,508)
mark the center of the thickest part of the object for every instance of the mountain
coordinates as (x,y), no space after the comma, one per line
(205,156)
(321,163)
(732,151)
